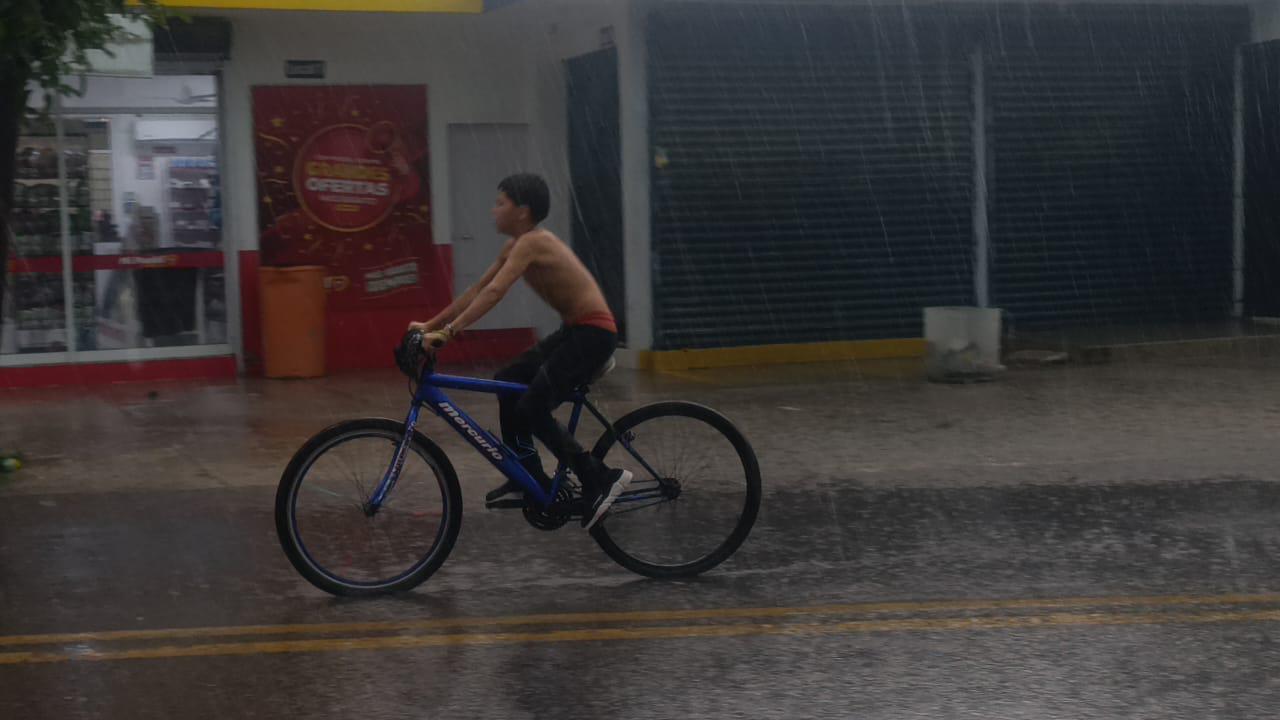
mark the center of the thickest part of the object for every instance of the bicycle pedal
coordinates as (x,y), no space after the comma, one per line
(509,504)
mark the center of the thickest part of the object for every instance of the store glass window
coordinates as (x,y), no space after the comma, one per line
(120,196)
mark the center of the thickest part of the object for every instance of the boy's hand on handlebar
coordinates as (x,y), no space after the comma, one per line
(437,339)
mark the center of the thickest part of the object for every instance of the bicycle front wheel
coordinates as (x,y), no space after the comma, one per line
(695,494)
(330,533)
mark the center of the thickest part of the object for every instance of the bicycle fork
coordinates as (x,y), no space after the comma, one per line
(389,478)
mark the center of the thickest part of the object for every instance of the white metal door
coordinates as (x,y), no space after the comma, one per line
(480,156)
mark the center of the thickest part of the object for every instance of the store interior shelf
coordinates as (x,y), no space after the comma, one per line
(47,180)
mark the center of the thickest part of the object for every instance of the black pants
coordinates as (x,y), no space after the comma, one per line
(553,369)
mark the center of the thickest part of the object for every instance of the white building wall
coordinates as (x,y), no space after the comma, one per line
(503,67)
(474,69)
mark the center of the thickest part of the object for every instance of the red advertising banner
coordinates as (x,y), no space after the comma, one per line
(343,182)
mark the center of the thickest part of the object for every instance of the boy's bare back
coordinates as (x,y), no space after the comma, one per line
(558,276)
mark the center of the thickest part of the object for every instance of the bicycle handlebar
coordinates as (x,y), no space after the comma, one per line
(413,359)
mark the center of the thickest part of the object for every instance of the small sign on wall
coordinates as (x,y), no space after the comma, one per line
(304,69)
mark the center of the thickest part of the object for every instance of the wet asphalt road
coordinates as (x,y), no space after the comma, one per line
(1147,598)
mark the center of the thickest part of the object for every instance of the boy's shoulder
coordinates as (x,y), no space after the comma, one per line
(537,238)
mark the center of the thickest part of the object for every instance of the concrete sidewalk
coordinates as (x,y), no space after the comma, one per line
(875,424)
(1141,342)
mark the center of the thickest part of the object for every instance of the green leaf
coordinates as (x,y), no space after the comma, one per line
(46,40)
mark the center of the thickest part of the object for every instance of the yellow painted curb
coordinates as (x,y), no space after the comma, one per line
(663,360)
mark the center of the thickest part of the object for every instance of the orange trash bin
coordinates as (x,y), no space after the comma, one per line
(293,320)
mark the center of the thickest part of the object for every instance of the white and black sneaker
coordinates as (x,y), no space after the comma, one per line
(618,481)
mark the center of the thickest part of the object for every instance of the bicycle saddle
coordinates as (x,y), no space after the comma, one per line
(605,369)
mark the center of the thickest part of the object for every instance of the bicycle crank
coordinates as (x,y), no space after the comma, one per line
(555,515)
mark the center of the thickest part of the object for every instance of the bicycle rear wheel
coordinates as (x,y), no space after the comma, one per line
(695,495)
(323,518)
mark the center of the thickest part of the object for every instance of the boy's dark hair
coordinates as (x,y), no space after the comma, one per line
(528,190)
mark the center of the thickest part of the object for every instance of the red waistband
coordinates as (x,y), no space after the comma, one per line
(601,319)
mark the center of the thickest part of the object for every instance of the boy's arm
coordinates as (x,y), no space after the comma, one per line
(461,302)
(522,254)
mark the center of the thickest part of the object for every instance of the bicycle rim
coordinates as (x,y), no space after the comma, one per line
(335,535)
(695,493)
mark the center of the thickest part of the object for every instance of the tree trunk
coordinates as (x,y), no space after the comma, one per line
(13,105)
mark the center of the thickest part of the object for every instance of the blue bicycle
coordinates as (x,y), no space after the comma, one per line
(372,506)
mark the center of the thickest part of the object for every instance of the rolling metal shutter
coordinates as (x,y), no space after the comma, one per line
(1262,179)
(1111,160)
(812,176)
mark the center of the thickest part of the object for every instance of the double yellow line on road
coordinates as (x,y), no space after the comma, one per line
(965,615)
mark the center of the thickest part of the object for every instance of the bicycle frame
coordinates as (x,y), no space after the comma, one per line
(431,394)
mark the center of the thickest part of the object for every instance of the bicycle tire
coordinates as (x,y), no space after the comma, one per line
(332,437)
(751,505)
